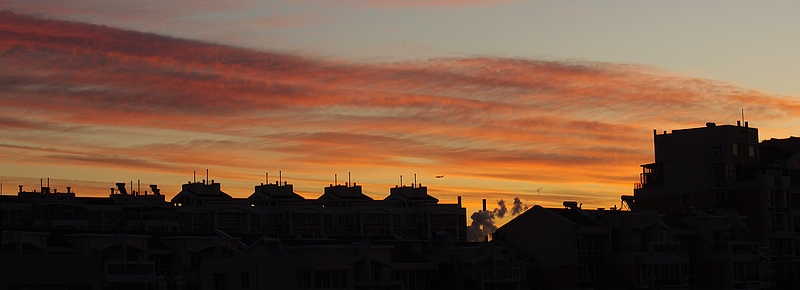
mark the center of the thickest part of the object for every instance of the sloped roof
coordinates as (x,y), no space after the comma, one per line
(574,216)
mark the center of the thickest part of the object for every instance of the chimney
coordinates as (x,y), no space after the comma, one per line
(20,189)
(69,189)
(484,204)
(738,123)
(746,124)
(459,201)
(155,189)
(121,187)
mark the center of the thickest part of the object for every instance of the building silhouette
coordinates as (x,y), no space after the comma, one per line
(204,238)
(726,170)
(576,248)
(716,210)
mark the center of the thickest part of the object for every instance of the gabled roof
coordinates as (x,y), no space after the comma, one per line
(415,194)
(346,193)
(574,216)
(202,191)
(276,192)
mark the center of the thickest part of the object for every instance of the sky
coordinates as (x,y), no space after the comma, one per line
(542,100)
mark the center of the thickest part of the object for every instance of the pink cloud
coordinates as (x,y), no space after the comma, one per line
(242,110)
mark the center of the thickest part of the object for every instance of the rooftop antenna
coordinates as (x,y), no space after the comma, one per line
(280,177)
(266,177)
(401,180)
(415,180)
(742,115)
(206,175)
(48,182)
(194,176)
(138,186)
(335,179)
(348,178)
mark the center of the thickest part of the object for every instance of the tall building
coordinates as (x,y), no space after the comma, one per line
(726,170)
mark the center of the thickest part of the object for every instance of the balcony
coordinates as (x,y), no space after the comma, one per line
(129,272)
(652,176)
(383,285)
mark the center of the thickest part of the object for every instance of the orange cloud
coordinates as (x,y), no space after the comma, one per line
(97,97)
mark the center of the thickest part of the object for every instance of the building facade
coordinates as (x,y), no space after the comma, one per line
(726,170)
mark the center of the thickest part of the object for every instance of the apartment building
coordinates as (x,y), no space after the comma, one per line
(726,170)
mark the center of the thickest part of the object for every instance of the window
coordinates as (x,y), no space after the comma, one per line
(322,279)
(666,275)
(225,217)
(411,279)
(725,198)
(219,281)
(752,150)
(306,218)
(687,200)
(162,263)
(720,197)
(735,149)
(797,226)
(376,218)
(645,275)
(245,279)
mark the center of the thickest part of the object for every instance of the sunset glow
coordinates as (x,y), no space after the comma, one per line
(89,105)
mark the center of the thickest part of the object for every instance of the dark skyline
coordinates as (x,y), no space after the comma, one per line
(716,210)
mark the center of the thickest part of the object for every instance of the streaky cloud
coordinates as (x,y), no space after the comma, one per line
(518,120)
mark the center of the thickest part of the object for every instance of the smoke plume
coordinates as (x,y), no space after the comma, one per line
(518,207)
(483,220)
(482,225)
(501,210)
